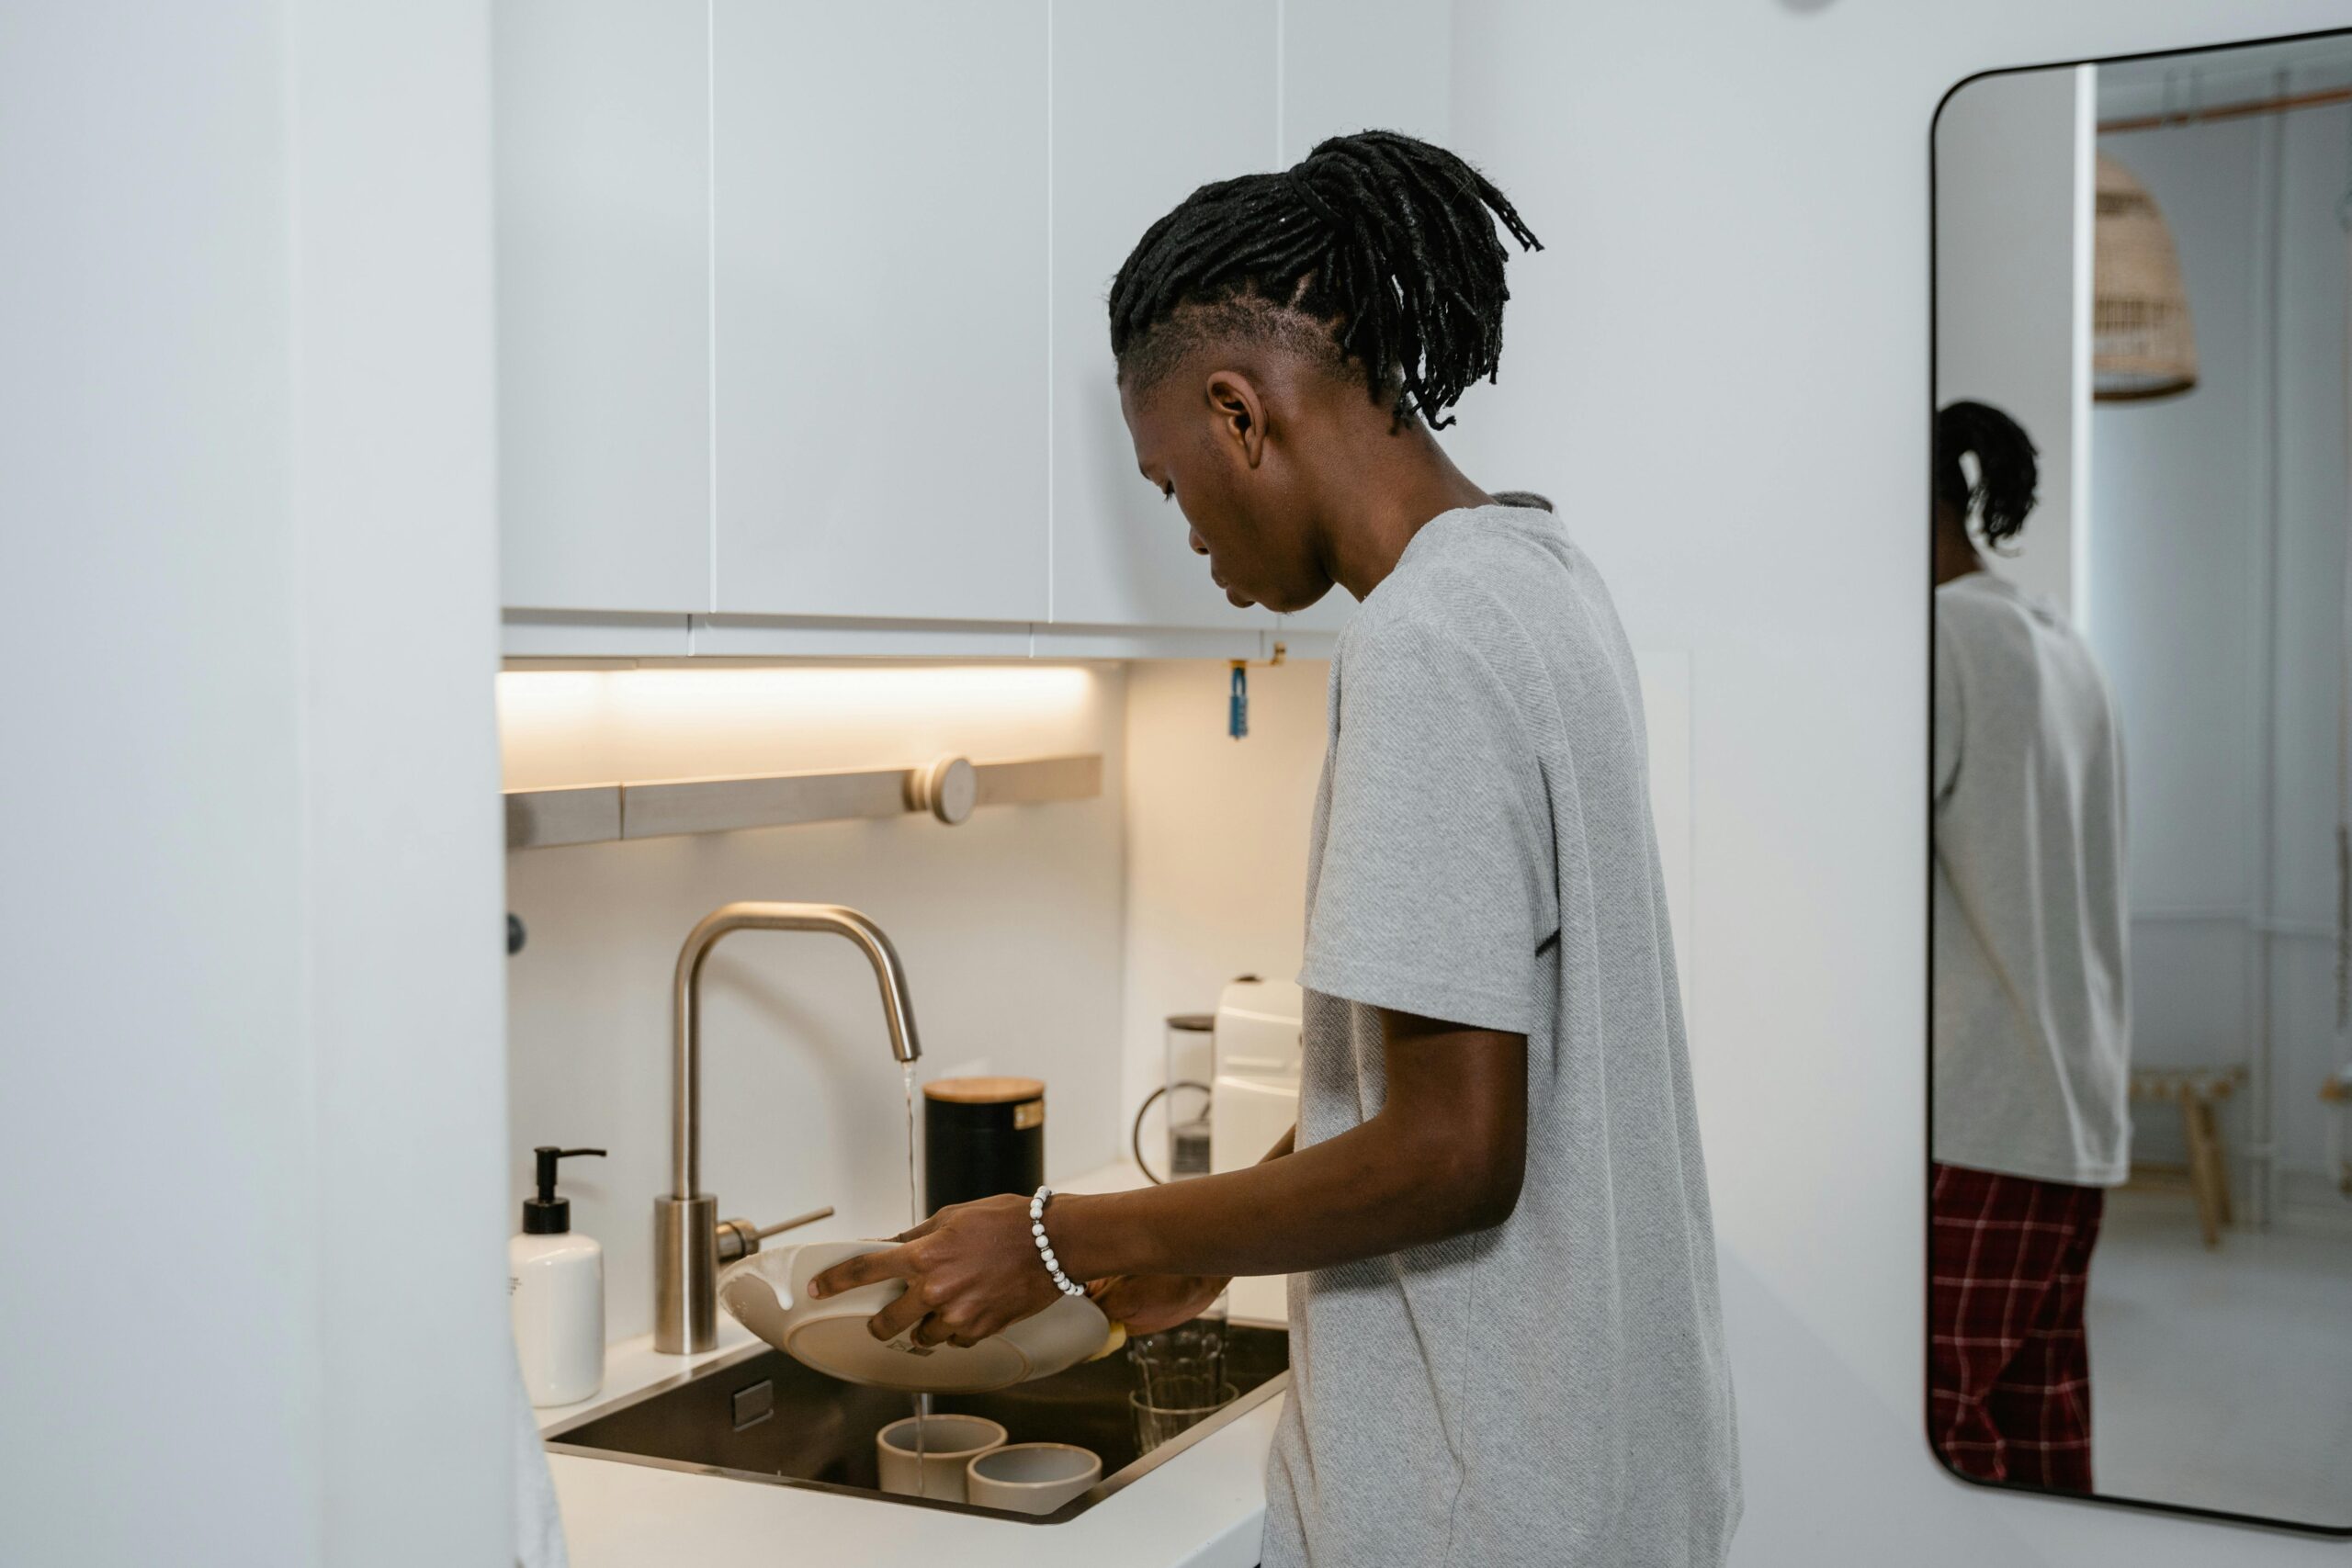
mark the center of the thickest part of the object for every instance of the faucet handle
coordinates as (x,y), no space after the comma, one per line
(740,1239)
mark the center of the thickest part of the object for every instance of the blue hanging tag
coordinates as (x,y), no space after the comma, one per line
(1237,722)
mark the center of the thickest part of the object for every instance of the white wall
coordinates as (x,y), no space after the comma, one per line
(2178,560)
(2193,501)
(249,1126)
(1720,367)
(2180,563)
(1216,833)
(2013,276)
(154,930)
(394,489)
(2315,513)
(1008,926)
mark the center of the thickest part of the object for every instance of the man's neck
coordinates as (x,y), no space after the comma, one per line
(1956,558)
(1394,486)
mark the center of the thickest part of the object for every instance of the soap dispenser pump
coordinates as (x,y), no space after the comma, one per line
(555,1287)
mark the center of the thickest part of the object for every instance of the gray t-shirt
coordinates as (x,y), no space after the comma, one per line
(1553,1391)
(2031,1027)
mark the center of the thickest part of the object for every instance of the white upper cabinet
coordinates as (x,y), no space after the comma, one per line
(1363,65)
(603,173)
(1149,102)
(802,304)
(881,307)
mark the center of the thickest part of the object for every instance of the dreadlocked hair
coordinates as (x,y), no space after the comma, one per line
(1375,253)
(2006,471)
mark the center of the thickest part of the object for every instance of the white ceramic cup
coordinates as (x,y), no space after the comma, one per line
(1031,1478)
(950,1443)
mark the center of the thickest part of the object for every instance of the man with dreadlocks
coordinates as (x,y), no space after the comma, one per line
(2030,1018)
(1506,1342)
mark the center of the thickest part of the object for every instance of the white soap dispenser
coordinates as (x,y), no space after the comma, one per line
(555,1284)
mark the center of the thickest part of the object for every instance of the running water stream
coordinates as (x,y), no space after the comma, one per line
(914,1213)
(914,1198)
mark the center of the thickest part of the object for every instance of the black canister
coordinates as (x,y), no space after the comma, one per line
(980,1137)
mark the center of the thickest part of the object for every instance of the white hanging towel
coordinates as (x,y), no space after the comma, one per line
(539,1527)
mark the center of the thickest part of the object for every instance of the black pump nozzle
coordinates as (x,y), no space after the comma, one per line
(548,1214)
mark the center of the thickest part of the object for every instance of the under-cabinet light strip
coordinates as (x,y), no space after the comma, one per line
(596,814)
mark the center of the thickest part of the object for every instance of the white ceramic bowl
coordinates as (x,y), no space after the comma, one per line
(926,1456)
(768,1293)
(1031,1478)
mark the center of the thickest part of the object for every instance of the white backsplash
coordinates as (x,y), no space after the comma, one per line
(1011,927)
(1216,840)
(1048,940)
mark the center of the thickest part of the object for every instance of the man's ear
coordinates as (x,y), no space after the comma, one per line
(1240,413)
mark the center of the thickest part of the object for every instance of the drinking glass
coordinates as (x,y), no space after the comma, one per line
(1180,1378)
(1179,1366)
(1155,1424)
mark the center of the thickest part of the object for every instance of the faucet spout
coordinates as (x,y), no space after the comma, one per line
(686,1033)
(685,1223)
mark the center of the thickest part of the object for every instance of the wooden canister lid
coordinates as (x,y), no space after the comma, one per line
(984,1091)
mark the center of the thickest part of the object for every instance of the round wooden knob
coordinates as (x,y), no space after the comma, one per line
(948,789)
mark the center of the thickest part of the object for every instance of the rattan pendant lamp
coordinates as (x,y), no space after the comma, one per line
(2143,344)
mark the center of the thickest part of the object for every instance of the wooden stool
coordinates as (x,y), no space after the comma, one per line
(2197,1090)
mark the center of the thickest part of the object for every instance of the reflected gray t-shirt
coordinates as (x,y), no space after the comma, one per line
(1553,1391)
(2032,1014)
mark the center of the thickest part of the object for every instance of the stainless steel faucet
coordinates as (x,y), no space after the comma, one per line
(689,1242)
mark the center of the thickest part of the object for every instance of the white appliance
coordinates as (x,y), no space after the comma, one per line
(1256,1101)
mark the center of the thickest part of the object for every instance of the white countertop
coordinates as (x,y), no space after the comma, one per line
(1203,1510)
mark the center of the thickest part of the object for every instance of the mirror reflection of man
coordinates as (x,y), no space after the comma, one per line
(2031,1026)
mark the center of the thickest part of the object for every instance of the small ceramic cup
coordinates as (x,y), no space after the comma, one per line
(1031,1478)
(948,1443)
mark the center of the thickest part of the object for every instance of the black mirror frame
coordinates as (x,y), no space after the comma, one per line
(1926,747)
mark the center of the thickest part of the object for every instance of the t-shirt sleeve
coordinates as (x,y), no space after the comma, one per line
(1948,719)
(1436,886)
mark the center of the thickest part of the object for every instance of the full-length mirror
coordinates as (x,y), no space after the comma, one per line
(2139,1270)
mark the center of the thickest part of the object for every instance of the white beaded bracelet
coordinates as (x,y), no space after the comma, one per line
(1062,1281)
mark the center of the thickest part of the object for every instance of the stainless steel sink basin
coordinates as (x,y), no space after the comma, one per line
(760,1415)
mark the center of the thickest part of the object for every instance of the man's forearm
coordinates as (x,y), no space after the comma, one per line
(1361,1194)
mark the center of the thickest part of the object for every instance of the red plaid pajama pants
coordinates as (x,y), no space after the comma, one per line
(2009,1371)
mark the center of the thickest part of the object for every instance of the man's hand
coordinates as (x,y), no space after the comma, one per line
(1150,1303)
(971,1270)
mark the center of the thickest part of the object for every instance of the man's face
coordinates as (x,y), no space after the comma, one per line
(1190,443)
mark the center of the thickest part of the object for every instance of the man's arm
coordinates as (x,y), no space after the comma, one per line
(1148,1302)
(1443,1156)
